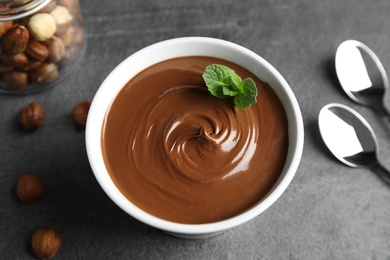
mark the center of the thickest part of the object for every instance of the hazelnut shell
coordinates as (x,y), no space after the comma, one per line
(15,80)
(32,116)
(13,60)
(15,40)
(45,73)
(56,49)
(36,50)
(29,188)
(80,114)
(5,26)
(46,242)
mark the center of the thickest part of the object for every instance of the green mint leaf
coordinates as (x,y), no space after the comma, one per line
(235,80)
(229,91)
(248,96)
(223,82)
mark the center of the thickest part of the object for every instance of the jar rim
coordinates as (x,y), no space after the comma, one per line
(16,9)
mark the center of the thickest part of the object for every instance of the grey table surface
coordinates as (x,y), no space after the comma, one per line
(329,211)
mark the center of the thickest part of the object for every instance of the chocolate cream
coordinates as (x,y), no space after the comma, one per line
(180,154)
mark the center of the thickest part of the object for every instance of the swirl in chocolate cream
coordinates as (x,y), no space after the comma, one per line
(202,143)
(183,155)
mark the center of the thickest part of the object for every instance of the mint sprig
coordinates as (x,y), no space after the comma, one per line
(223,82)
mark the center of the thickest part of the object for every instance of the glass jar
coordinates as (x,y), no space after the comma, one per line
(40,42)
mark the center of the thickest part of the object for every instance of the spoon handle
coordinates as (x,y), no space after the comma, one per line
(382,172)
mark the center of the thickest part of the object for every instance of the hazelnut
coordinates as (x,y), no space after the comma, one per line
(6,68)
(32,116)
(46,242)
(73,6)
(15,40)
(13,60)
(15,80)
(63,19)
(56,49)
(80,114)
(45,73)
(36,50)
(30,66)
(68,37)
(79,36)
(42,26)
(70,55)
(5,26)
(29,188)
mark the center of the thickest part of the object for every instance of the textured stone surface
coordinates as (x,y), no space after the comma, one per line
(329,211)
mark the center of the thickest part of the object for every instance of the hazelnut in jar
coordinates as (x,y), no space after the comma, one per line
(40,42)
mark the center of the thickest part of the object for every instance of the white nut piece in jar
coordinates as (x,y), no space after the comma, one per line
(42,26)
(63,19)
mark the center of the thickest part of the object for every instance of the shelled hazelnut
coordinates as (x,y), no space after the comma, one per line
(62,18)
(46,242)
(41,45)
(29,187)
(42,26)
(32,116)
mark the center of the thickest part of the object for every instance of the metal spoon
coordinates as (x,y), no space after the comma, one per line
(350,138)
(361,75)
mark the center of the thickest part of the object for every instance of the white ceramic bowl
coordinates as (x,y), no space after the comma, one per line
(190,46)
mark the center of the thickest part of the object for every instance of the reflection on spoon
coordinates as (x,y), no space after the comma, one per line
(361,75)
(350,138)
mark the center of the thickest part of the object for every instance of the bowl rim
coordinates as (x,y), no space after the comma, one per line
(115,81)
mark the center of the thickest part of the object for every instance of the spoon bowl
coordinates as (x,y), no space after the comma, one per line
(347,135)
(350,138)
(362,75)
